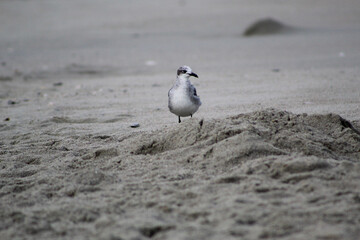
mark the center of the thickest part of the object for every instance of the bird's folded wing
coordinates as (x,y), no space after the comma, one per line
(193,91)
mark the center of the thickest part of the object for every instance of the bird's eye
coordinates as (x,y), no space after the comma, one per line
(183,71)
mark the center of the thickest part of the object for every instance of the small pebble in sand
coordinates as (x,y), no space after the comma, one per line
(11,102)
(7,119)
(57,84)
(135,125)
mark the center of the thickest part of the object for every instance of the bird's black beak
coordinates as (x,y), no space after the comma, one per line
(194,75)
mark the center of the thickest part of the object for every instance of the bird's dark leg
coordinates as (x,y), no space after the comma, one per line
(190,115)
(179,120)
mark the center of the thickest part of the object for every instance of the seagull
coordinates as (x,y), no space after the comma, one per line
(183,99)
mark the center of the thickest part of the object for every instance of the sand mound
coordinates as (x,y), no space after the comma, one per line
(261,133)
(266,27)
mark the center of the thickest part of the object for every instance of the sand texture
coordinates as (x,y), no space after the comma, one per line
(89,149)
(266,174)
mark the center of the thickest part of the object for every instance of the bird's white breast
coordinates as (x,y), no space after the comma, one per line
(182,104)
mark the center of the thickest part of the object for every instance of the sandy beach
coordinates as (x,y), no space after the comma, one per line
(272,153)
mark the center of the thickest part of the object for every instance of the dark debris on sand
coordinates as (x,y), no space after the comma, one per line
(266,26)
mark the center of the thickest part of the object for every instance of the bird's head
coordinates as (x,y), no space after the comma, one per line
(185,71)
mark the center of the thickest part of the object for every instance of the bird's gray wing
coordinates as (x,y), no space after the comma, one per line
(192,90)
(195,94)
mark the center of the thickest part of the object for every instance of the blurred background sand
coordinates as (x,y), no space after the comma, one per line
(310,69)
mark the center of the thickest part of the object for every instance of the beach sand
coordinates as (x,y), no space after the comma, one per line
(273,152)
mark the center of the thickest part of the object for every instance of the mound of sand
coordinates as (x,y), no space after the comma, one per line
(263,133)
(266,26)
